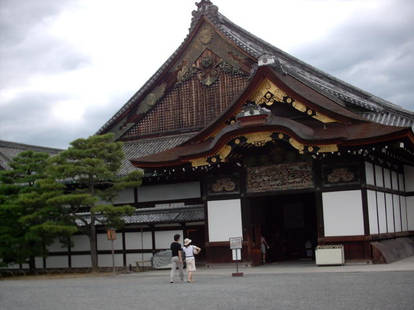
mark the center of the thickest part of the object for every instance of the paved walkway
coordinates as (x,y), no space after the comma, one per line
(285,286)
(306,266)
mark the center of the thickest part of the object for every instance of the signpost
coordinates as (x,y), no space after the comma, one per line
(236,244)
(111,234)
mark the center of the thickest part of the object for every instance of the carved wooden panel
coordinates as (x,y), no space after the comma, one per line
(220,185)
(279,177)
(341,174)
(190,105)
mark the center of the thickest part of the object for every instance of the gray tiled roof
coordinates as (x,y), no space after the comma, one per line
(191,213)
(376,109)
(167,215)
(143,147)
(9,150)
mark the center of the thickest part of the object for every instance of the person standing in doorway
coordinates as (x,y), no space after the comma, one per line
(176,259)
(264,246)
(189,251)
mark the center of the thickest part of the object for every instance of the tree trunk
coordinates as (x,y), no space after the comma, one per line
(94,254)
(32,265)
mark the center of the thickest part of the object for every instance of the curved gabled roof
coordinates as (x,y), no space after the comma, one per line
(371,107)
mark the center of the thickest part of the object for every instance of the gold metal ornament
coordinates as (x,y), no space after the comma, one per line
(197,162)
(259,138)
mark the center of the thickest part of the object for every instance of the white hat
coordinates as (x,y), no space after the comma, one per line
(187,241)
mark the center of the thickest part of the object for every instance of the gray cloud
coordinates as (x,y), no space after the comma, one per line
(25,46)
(373,51)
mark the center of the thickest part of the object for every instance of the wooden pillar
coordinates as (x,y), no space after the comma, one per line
(153,238)
(364,199)
(124,249)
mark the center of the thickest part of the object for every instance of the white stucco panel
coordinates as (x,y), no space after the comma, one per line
(381,213)
(105,244)
(369,173)
(372,212)
(390,213)
(410,212)
(57,262)
(342,213)
(105,260)
(403,213)
(379,176)
(397,213)
(81,261)
(395,180)
(136,240)
(80,243)
(164,238)
(224,219)
(125,196)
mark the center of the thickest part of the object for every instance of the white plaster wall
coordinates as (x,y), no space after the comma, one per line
(381,213)
(125,196)
(378,176)
(56,246)
(397,213)
(57,261)
(133,240)
(410,212)
(39,262)
(387,178)
(80,243)
(105,260)
(401,182)
(409,178)
(369,173)
(372,212)
(105,244)
(81,261)
(169,192)
(394,180)
(224,219)
(342,213)
(133,258)
(403,213)
(390,213)
(163,239)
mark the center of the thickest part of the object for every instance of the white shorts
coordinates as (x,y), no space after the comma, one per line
(190,262)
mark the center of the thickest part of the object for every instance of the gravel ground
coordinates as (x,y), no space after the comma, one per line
(214,290)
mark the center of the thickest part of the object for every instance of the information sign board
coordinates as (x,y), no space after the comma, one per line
(236,242)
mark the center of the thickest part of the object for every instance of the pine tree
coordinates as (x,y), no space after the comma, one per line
(27,223)
(89,170)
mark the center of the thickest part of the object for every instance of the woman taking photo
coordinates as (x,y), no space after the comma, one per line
(189,251)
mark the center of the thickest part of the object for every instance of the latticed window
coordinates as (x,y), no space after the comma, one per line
(190,105)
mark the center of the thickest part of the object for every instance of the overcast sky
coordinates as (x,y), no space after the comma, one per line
(67,66)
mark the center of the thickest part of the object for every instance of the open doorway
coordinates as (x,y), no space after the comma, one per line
(288,223)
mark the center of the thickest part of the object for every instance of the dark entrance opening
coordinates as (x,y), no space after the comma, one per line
(288,224)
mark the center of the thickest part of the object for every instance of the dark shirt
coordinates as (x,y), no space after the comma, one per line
(175,247)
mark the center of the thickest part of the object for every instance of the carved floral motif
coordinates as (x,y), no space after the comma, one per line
(279,177)
(223,185)
(341,175)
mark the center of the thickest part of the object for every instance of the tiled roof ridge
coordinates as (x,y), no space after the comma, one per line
(23,146)
(257,47)
(160,138)
(268,48)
